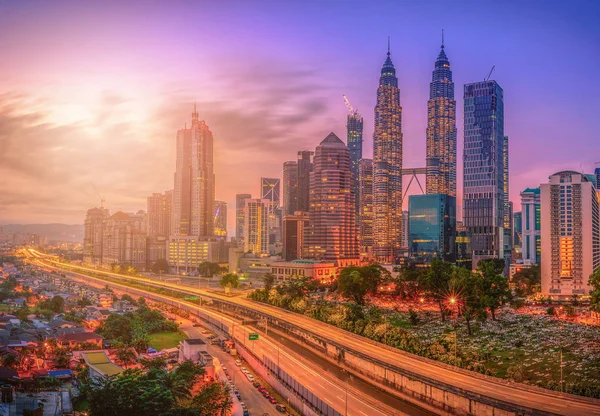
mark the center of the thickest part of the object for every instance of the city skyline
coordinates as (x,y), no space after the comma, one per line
(132,130)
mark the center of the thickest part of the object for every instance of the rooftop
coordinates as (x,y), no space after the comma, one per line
(194,341)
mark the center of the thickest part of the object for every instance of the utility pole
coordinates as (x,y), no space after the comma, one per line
(561,369)
(346,414)
(455,344)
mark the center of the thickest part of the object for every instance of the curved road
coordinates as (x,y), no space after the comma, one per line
(496,389)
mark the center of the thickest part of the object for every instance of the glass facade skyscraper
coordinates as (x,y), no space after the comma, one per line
(531,221)
(483,169)
(441,130)
(432,227)
(355,138)
(387,167)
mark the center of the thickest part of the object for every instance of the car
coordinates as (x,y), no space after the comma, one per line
(250,378)
(281,409)
(229,378)
(256,384)
(172,361)
(273,400)
(236,392)
(196,324)
(244,370)
(224,369)
(246,413)
(238,363)
(243,405)
(239,397)
(265,414)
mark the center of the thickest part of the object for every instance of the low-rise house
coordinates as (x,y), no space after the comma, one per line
(77,339)
(100,365)
(190,349)
(61,323)
(123,306)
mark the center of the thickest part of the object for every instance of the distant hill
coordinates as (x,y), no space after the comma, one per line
(59,232)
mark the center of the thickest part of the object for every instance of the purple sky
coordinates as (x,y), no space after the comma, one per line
(93,92)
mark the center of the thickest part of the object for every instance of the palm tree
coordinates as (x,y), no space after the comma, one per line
(171,381)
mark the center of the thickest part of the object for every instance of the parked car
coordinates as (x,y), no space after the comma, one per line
(250,378)
(196,324)
(238,363)
(256,384)
(261,388)
(281,409)
(246,413)
(273,400)
(239,397)
(244,370)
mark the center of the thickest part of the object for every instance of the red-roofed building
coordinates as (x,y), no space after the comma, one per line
(77,339)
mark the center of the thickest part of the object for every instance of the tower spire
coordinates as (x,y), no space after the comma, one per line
(442,38)
(388,46)
(194,114)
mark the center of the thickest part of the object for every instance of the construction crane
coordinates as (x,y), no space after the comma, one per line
(352,110)
(99,196)
(490,73)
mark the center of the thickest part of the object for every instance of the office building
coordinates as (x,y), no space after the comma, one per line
(405,230)
(531,211)
(159,214)
(270,190)
(483,169)
(517,228)
(387,167)
(354,126)
(93,235)
(124,240)
(597,175)
(463,246)
(294,227)
(570,232)
(185,253)
(432,225)
(290,187)
(240,215)
(441,130)
(304,168)
(220,219)
(332,233)
(365,215)
(256,223)
(193,193)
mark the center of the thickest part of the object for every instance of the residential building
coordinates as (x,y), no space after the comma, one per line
(184,254)
(483,162)
(441,130)
(240,216)
(220,219)
(256,231)
(387,167)
(77,339)
(332,232)
(432,225)
(290,187)
(354,126)
(570,232)
(293,235)
(531,211)
(100,365)
(190,349)
(194,189)
(159,214)
(405,230)
(365,214)
(597,175)
(305,165)
(94,235)
(124,240)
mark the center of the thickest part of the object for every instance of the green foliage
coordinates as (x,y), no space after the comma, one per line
(356,282)
(436,283)
(551,311)
(230,280)
(413,316)
(160,266)
(269,280)
(208,269)
(129,299)
(125,356)
(494,290)
(594,282)
(527,280)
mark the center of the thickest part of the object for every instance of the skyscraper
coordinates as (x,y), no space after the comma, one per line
(94,235)
(293,235)
(159,214)
(517,228)
(256,233)
(597,174)
(240,208)
(483,162)
(387,166)
(365,215)
(270,190)
(220,219)
(441,130)
(290,187)
(193,193)
(570,232)
(332,233)
(304,169)
(531,222)
(432,225)
(354,127)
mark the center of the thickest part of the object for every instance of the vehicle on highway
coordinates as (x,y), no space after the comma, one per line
(262,389)
(238,363)
(250,377)
(243,405)
(239,396)
(273,400)
(224,369)
(244,370)
(196,324)
(246,413)
(281,409)
(256,384)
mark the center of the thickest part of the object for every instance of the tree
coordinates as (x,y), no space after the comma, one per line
(58,304)
(352,285)
(594,282)
(269,280)
(495,290)
(527,280)
(129,299)
(10,361)
(209,269)
(214,399)
(436,283)
(229,280)
(469,299)
(125,356)
(160,266)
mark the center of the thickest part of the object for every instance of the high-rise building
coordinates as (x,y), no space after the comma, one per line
(184,254)
(271,191)
(483,162)
(508,207)
(256,226)
(570,231)
(365,214)
(290,187)
(387,167)
(304,168)
(220,219)
(93,235)
(193,194)
(441,130)
(531,222)
(405,230)
(354,126)
(597,175)
(240,216)
(463,246)
(517,228)
(159,214)
(293,235)
(432,225)
(124,240)
(332,233)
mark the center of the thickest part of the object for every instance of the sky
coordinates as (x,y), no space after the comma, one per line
(92,93)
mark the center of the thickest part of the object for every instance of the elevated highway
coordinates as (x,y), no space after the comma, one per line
(427,383)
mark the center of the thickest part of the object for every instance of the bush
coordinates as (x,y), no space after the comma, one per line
(551,311)
(413,317)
